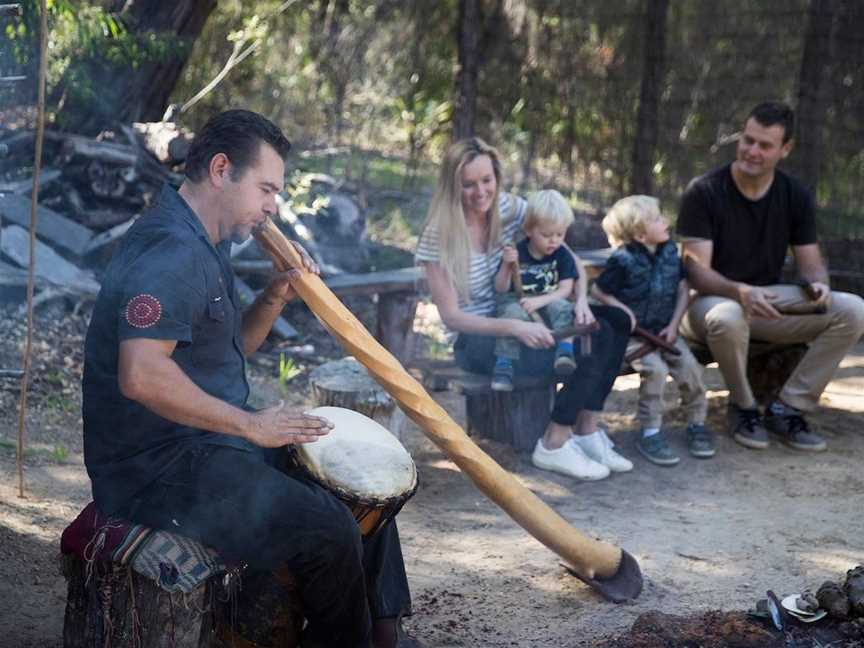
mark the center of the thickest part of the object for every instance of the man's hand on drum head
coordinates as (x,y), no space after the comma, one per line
(279,426)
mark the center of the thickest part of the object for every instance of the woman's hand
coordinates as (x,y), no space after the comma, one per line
(582,314)
(510,255)
(533,334)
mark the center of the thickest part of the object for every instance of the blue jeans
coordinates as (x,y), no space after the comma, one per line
(587,388)
(557,314)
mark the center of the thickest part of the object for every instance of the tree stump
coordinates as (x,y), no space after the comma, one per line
(517,418)
(121,608)
(346,383)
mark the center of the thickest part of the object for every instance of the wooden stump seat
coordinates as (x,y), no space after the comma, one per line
(121,608)
(346,383)
(517,418)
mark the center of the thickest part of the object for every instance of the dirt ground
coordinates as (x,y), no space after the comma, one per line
(708,535)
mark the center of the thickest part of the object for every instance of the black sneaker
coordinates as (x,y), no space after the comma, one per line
(656,450)
(792,429)
(747,427)
(700,441)
(502,377)
(564,363)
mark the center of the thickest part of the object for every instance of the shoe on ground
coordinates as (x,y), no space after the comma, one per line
(502,377)
(564,364)
(656,449)
(599,448)
(792,429)
(747,427)
(700,441)
(568,460)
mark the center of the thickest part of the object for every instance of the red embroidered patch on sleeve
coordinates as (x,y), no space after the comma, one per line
(143,311)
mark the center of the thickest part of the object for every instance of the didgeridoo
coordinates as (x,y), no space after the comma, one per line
(603,566)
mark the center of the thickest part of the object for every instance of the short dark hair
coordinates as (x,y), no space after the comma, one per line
(771,113)
(238,134)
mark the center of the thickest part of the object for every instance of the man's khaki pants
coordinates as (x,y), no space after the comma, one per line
(653,370)
(720,323)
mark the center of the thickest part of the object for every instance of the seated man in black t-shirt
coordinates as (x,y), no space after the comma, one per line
(737,223)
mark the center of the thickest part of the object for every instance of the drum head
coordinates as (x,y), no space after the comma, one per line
(359,456)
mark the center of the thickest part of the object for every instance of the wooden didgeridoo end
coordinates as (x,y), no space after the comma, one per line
(608,569)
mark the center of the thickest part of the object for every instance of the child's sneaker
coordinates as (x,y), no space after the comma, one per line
(502,375)
(700,441)
(656,449)
(564,362)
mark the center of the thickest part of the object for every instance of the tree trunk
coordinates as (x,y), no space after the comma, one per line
(813,86)
(127,96)
(649,96)
(468,69)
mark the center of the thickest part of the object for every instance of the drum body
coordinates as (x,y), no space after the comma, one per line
(362,464)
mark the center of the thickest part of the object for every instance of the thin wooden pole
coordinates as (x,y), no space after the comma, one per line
(37,167)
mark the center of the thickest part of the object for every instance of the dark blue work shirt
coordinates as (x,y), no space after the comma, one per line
(167,281)
(646,283)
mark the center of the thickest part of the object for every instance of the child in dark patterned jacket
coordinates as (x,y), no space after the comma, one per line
(645,277)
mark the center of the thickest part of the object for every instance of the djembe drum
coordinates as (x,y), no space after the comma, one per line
(362,464)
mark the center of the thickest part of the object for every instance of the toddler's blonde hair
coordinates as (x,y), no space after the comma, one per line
(547,207)
(627,218)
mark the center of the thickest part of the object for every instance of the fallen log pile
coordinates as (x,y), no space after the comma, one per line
(93,189)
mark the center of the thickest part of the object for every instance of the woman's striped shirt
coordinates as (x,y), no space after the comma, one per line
(482,269)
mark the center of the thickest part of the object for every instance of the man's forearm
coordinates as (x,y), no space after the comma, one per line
(707,281)
(258,320)
(815,274)
(503,279)
(162,387)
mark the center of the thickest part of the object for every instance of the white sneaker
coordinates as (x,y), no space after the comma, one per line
(598,446)
(569,460)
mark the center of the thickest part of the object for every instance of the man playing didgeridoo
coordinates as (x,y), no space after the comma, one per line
(169,441)
(737,224)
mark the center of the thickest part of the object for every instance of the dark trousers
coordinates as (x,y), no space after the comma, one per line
(241,505)
(587,388)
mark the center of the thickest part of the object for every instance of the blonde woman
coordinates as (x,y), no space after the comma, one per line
(461,247)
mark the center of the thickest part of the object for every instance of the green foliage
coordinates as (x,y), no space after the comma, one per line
(83,38)
(288,371)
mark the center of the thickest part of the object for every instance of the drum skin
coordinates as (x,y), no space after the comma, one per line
(362,464)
